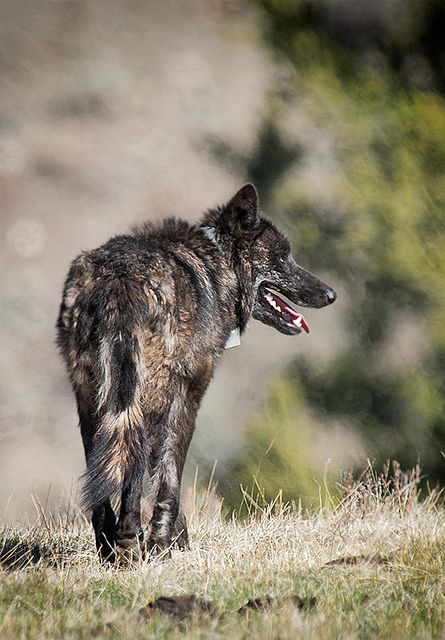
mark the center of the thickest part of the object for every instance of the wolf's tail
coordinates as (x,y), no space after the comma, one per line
(120,441)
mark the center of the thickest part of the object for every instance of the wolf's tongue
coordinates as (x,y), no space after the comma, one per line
(304,324)
(293,314)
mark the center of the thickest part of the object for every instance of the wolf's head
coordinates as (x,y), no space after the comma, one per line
(262,257)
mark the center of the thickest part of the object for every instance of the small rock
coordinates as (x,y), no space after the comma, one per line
(355,560)
(178,607)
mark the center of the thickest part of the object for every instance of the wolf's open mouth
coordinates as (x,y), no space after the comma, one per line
(285,313)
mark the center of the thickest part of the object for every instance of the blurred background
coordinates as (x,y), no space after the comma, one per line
(116,112)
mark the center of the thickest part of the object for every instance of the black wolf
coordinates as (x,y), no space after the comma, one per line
(143,321)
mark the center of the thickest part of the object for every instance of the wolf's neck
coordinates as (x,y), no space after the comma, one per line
(242,270)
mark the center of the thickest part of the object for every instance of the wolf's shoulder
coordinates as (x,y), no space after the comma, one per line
(140,243)
(143,240)
(164,232)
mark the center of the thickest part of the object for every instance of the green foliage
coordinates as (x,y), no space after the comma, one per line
(377,224)
(277,440)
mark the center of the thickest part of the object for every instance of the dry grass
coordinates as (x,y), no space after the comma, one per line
(374,562)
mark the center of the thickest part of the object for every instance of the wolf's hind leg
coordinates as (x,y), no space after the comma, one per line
(104,523)
(164,517)
(168,520)
(103,518)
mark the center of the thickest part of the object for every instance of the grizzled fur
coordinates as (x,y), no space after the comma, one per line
(143,321)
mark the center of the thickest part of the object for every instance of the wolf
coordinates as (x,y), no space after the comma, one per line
(143,321)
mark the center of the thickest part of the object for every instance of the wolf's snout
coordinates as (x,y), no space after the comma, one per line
(331,296)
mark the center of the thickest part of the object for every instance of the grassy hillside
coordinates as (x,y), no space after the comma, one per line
(372,566)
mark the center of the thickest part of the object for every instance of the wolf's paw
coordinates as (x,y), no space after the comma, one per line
(128,551)
(158,549)
(180,537)
(181,542)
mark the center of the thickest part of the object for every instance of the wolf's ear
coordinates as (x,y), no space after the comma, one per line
(241,213)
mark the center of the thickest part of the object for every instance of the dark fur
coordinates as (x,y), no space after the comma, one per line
(142,323)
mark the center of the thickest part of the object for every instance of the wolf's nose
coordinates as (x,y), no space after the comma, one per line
(331,296)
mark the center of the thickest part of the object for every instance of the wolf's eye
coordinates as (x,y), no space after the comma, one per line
(283,259)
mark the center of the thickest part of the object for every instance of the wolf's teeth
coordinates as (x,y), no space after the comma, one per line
(270,299)
(297,322)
